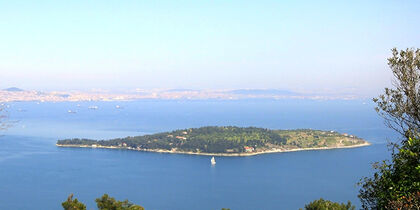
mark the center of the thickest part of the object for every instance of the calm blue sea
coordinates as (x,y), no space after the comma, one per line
(35,174)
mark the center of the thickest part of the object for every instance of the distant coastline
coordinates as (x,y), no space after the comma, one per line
(276,150)
(15,94)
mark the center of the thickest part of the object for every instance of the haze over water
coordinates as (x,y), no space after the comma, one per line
(136,50)
(32,167)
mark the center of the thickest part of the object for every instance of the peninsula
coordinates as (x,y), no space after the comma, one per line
(226,141)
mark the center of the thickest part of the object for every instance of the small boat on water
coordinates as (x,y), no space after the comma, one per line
(93,107)
(71,112)
(213,161)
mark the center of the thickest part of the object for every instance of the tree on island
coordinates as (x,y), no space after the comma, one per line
(396,183)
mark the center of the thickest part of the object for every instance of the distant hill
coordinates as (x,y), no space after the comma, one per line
(263,92)
(180,90)
(13,89)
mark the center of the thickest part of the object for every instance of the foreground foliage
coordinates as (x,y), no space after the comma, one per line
(104,203)
(400,106)
(71,204)
(406,203)
(226,139)
(322,204)
(109,203)
(396,183)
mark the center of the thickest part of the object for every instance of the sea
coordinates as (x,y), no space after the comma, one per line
(35,174)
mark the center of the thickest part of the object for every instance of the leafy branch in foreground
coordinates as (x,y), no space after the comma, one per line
(396,183)
(400,106)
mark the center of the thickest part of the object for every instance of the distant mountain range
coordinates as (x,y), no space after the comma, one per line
(180,90)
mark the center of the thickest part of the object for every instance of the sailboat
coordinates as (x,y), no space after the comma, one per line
(213,161)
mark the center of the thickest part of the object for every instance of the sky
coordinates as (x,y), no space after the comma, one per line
(305,46)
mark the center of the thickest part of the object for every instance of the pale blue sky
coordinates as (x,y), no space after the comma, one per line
(316,46)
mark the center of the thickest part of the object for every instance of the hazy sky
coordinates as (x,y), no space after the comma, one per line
(322,46)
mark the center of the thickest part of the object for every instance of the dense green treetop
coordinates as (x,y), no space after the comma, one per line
(322,204)
(109,203)
(396,182)
(104,203)
(225,139)
(73,204)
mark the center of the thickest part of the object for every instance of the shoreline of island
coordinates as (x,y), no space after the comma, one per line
(273,150)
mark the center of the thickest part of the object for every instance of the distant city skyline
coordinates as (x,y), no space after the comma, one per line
(304,46)
(14,94)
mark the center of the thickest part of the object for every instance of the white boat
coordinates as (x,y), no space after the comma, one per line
(93,107)
(213,161)
(71,112)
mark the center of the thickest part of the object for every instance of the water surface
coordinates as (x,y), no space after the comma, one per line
(34,172)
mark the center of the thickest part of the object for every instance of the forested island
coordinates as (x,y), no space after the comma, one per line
(226,141)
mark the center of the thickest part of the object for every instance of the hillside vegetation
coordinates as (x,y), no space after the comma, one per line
(226,139)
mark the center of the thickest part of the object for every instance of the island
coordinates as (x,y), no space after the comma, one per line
(226,141)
